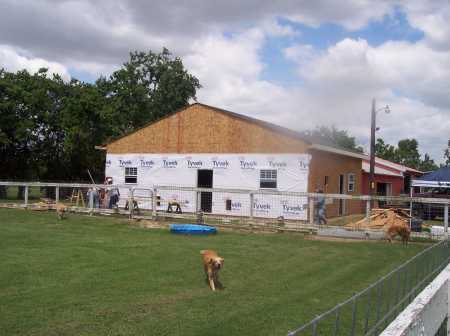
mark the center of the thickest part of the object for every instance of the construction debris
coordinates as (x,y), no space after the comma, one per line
(43,205)
(382,219)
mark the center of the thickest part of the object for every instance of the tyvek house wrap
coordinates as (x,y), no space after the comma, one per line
(230,171)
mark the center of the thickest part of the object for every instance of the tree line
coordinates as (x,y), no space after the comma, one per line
(49,128)
(406,152)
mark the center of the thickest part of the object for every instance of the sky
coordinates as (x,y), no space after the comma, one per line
(298,63)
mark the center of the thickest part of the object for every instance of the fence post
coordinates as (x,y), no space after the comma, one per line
(368,308)
(130,202)
(368,209)
(410,205)
(311,210)
(57,194)
(154,204)
(378,307)
(198,199)
(337,321)
(446,220)
(26,197)
(252,198)
(314,328)
(353,317)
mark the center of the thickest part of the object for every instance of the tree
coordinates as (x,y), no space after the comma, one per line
(447,155)
(28,106)
(84,127)
(385,151)
(334,137)
(406,153)
(24,110)
(427,164)
(147,87)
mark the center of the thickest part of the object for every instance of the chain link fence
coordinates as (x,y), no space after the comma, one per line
(371,310)
(335,215)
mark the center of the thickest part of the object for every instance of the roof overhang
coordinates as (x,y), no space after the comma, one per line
(338,151)
(396,166)
(379,170)
(430,184)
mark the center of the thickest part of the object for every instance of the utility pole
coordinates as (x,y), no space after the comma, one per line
(373,129)
(372,150)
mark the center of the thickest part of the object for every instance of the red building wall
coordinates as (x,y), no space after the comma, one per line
(396,181)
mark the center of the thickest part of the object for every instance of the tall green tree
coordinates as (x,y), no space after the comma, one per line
(28,105)
(84,125)
(334,137)
(447,155)
(406,153)
(427,164)
(147,87)
(385,151)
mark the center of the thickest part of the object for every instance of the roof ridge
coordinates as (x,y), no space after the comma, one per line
(261,122)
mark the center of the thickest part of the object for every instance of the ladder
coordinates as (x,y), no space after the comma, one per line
(77,197)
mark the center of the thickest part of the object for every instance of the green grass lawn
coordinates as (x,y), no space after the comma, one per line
(101,276)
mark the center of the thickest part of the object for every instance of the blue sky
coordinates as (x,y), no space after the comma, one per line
(392,27)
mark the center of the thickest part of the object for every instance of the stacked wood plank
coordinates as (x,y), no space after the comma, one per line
(43,205)
(382,219)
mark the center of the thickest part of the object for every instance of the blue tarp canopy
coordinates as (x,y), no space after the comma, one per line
(436,179)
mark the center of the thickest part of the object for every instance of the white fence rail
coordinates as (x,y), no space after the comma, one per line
(428,313)
(231,204)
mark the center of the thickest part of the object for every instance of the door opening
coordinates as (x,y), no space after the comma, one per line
(383,189)
(205,180)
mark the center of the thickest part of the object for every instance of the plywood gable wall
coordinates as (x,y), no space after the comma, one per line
(200,129)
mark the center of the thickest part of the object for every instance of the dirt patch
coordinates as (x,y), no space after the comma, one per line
(148,224)
(346,240)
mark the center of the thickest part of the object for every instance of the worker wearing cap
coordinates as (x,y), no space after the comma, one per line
(113,195)
(320,205)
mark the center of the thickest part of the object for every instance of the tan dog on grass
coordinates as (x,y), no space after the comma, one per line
(61,210)
(212,263)
(398,230)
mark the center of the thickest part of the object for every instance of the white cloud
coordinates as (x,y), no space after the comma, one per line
(411,69)
(12,60)
(221,43)
(432,17)
(229,69)
(273,28)
(413,78)
(352,14)
(300,53)
(76,32)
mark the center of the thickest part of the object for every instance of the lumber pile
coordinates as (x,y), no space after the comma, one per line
(382,219)
(43,205)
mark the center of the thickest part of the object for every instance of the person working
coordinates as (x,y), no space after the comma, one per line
(95,197)
(320,208)
(113,194)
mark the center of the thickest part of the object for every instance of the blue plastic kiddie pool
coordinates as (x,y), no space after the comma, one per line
(192,229)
